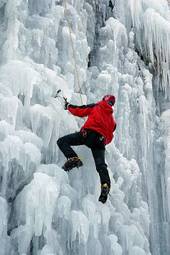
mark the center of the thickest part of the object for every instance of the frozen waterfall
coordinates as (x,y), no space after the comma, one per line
(86,48)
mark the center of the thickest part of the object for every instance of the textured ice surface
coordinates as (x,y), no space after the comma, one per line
(86,49)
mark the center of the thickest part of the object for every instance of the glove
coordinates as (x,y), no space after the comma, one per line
(66,104)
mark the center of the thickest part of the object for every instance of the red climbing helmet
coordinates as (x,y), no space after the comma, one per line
(109,99)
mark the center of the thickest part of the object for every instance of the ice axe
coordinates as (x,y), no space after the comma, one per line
(58,95)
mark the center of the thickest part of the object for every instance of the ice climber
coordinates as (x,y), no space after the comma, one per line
(95,133)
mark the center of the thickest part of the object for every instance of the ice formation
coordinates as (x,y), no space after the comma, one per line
(86,49)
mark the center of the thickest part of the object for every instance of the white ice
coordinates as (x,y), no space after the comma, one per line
(44,47)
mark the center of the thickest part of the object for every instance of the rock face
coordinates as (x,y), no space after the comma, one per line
(87,49)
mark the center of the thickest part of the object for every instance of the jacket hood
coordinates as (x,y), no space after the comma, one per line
(105,106)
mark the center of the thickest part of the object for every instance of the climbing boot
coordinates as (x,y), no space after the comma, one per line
(71,163)
(104,192)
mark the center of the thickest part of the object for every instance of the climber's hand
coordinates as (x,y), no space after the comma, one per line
(66,104)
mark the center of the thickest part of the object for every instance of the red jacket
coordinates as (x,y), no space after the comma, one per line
(100,118)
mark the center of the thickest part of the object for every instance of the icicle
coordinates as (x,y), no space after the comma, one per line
(21,79)
(136,12)
(5,240)
(151,18)
(157,36)
(80,227)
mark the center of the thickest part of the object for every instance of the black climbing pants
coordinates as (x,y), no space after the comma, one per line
(95,142)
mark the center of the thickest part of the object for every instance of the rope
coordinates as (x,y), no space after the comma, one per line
(73,50)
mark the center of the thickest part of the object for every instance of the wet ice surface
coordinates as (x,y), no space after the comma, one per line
(43,209)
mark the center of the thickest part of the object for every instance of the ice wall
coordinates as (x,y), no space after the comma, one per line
(87,49)
(150,21)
